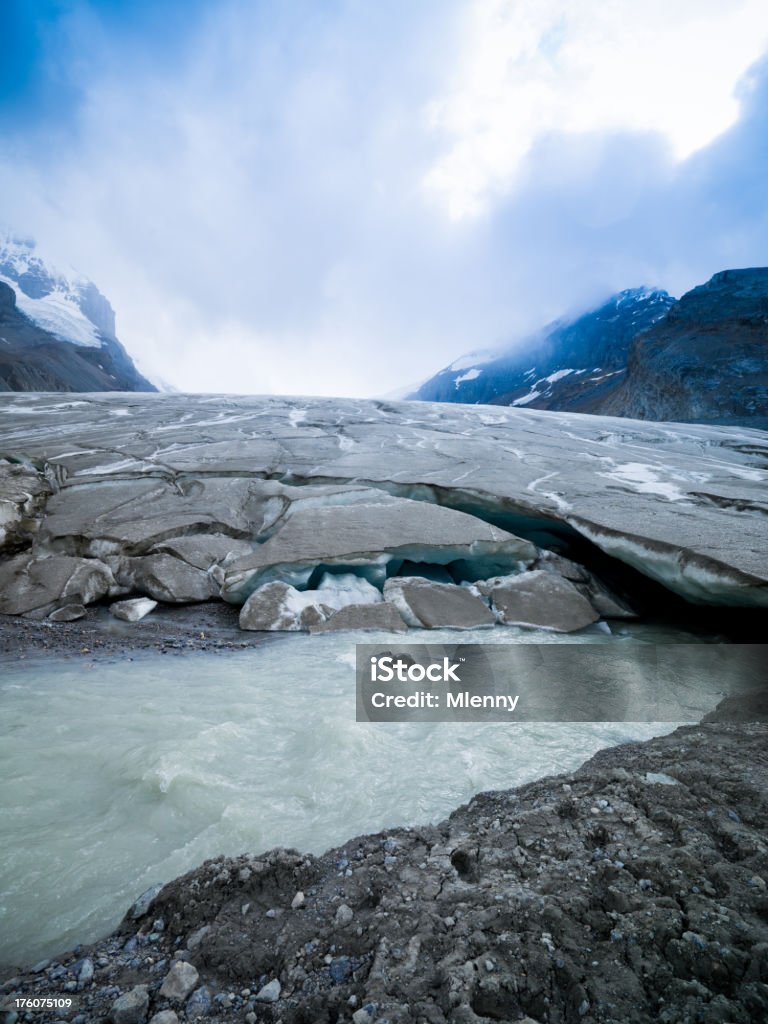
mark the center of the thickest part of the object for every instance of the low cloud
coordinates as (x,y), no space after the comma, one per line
(255,207)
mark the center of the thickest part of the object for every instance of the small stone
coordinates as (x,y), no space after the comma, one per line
(695,939)
(340,969)
(490,966)
(272,913)
(164,1017)
(757,882)
(85,974)
(250,1018)
(132,1007)
(132,610)
(199,1003)
(198,936)
(583,1007)
(297,901)
(270,992)
(245,908)
(40,966)
(179,981)
(361,1016)
(645,884)
(68,613)
(344,915)
(144,902)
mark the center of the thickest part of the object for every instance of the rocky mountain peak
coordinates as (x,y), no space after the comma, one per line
(738,294)
(58,330)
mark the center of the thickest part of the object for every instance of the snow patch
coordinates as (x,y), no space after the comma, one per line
(472,374)
(646,480)
(526,398)
(556,376)
(58,314)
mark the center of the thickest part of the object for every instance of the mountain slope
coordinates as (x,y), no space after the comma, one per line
(57,331)
(706,361)
(567,365)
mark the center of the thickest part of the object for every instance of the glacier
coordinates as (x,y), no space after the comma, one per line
(197,497)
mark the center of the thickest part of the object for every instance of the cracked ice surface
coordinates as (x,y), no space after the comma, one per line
(685,504)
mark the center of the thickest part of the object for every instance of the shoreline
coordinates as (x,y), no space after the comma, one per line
(210,627)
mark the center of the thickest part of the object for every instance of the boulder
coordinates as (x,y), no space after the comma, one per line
(269,993)
(279,606)
(165,578)
(31,585)
(363,616)
(543,600)
(131,1007)
(165,1017)
(423,603)
(607,604)
(133,610)
(179,981)
(204,550)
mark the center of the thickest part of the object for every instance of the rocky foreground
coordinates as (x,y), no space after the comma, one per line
(633,890)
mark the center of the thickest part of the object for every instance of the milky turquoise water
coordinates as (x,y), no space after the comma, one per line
(115,775)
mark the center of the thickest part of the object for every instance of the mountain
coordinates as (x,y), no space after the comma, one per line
(706,361)
(57,331)
(566,366)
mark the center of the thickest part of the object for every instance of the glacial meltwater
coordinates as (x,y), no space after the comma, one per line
(117,774)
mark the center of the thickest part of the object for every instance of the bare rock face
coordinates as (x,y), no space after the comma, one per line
(542,599)
(429,605)
(705,361)
(363,616)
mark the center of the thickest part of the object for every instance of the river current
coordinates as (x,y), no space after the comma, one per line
(121,773)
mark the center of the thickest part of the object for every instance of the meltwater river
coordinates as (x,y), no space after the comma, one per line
(117,774)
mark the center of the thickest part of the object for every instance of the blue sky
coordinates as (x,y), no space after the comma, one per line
(343,197)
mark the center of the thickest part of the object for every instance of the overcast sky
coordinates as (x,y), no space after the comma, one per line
(342,196)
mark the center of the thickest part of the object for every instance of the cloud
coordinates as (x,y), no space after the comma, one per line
(259,203)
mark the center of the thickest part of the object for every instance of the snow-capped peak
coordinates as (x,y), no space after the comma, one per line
(60,301)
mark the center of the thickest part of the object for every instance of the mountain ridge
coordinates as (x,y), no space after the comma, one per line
(641,354)
(567,355)
(57,330)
